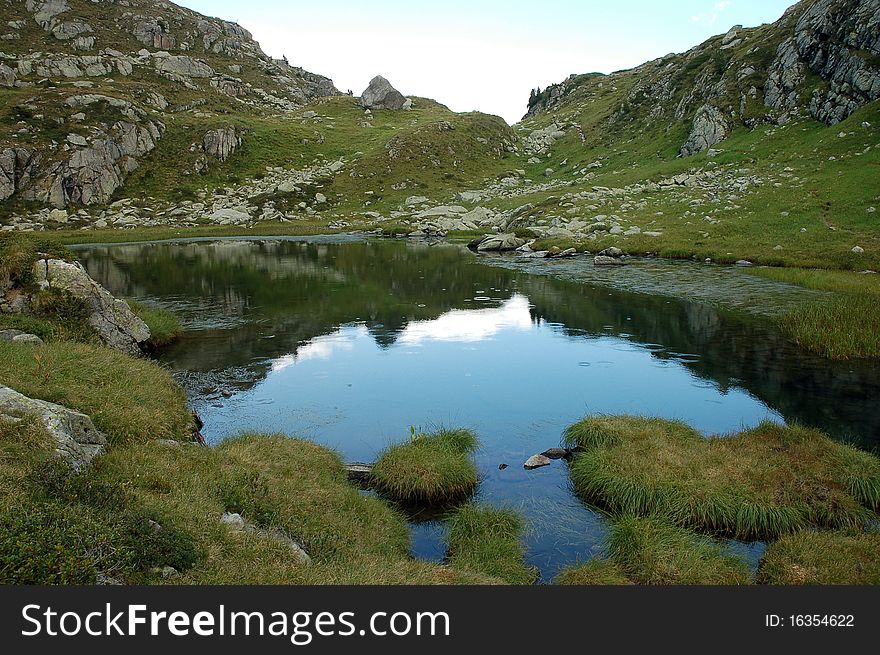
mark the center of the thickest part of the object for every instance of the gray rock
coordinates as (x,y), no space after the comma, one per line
(182,66)
(17,168)
(499,243)
(28,338)
(613,251)
(536,461)
(221,143)
(237,522)
(412,201)
(381,95)
(602,260)
(112,319)
(230,216)
(710,126)
(76,438)
(7,75)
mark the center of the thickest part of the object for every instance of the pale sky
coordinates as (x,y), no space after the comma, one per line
(481,55)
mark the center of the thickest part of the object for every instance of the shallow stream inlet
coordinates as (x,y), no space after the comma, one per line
(350,342)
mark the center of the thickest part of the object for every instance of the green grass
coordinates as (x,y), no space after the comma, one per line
(822,558)
(164,324)
(19,252)
(58,527)
(653,552)
(430,468)
(842,327)
(129,399)
(276,483)
(758,484)
(593,573)
(489,541)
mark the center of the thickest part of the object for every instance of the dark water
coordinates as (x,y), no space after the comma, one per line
(349,343)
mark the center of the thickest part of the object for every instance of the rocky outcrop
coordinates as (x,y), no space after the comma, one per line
(497,243)
(824,61)
(76,438)
(221,143)
(16,169)
(112,319)
(153,32)
(381,95)
(710,126)
(96,168)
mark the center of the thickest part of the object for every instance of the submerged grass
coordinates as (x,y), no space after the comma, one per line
(843,327)
(758,484)
(812,557)
(489,541)
(129,399)
(651,551)
(431,468)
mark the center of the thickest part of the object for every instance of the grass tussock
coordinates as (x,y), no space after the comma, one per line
(652,552)
(596,572)
(19,253)
(489,541)
(280,484)
(845,326)
(129,399)
(430,468)
(823,558)
(164,324)
(759,484)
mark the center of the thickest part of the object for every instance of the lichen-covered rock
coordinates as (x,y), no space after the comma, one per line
(179,67)
(153,32)
(221,143)
(112,319)
(710,126)
(7,75)
(381,95)
(16,168)
(76,438)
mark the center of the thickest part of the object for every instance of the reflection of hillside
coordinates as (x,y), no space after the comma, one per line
(839,397)
(289,297)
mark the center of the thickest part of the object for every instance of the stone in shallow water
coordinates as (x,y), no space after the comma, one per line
(536,461)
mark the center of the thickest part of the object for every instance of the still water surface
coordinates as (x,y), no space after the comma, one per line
(350,342)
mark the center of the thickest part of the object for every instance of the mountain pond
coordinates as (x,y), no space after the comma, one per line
(350,342)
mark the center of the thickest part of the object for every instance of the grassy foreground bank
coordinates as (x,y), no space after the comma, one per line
(155,499)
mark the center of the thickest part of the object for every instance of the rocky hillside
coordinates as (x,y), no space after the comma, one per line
(821,59)
(91,83)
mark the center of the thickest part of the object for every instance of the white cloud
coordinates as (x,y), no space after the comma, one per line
(713,14)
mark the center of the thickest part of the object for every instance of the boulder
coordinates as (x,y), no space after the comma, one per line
(536,461)
(112,319)
(381,95)
(18,336)
(181,66)
(77,440)
(221,143)
(230,216)
(498,243)
(710,126)
(602,260)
